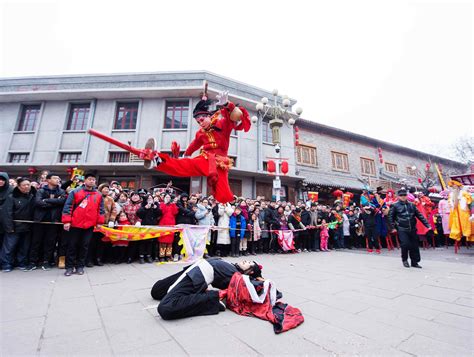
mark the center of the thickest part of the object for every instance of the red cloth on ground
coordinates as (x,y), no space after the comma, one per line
(168,218)
(283,316)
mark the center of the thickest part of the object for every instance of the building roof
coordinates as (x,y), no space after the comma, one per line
(329,130)
(333,180)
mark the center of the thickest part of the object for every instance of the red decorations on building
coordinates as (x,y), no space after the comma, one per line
(337,193)
(313,196)
(297,136)
(428,165)
(70,170)
(32,170)
(271,167)
(284,167)
(420,180)
(379,150)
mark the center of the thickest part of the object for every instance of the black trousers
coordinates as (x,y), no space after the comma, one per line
(145,246)
(186,300)
(96,248)
(409,246)
(43,242)
(77,247)
(314,239)
(235,245)
(371,234)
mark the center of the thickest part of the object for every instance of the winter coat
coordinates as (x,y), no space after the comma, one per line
(204,216)
(23,206)
(185,213)
(149,216)
(368,219)
(110,209)
(6,225)
(131,209)
(263,225)
(49,209)
(256,230)
(168,218)
(346,225)
(271,218)
(314,218)
(233,226)
(225,212)
(403,215)
(443,210)
(84,208)
(306,218)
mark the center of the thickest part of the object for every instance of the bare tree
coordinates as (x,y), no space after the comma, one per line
(463,149)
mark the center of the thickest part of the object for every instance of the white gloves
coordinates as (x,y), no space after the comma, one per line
(111,224)
(138,224)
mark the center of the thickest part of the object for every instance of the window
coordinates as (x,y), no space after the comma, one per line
(119,156)
(78,117)
(367,166)
(306,155)
(266,132)
(19,158)
(410,171)
(340,161)
(29,116)
(70,157)
(391,168)
(177,113)
(126,116)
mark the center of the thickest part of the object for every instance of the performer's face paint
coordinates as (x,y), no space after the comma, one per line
(204,121)
(246,266)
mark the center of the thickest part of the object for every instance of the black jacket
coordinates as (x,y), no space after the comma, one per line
(368,219)
(6,225)
(185,213)
(149,216)
(49,209)
(402,216)
(271,218)
(306,217)
(23,206)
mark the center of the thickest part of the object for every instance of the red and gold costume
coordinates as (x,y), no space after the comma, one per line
(212,160)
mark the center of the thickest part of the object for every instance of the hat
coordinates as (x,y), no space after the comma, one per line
(257,270)
(402,192)
(142,191)
(202,108)
(453,183)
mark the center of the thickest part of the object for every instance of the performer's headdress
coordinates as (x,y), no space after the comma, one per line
(202,108)
(453,183)
(257,270)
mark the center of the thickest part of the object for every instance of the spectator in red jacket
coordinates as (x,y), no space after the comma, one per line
(169,211)
(84,209)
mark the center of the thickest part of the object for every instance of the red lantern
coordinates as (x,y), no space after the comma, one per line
(296,129)
(419,180)
(70,170)
(32,170)
(337,193)
(271,167)
(428,165)
(284,167)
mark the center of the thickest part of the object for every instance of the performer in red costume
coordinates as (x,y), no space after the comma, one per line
(212,139)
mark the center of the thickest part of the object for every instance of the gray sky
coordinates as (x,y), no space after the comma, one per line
(400,71)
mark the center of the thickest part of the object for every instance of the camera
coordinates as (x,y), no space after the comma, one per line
(277,148)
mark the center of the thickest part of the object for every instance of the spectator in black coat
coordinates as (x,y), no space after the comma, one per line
(149,213)
(5,210)
(16,244)
(49,204)
(272,222)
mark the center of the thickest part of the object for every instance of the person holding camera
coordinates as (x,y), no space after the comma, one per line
(149,213)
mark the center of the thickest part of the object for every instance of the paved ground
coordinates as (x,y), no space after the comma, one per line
(354,304)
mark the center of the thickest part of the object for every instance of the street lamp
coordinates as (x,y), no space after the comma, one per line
(279,113)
